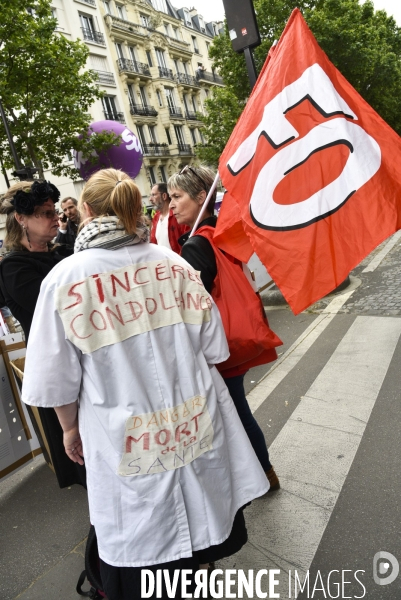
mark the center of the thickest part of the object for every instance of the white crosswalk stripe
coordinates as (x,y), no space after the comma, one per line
(315,449)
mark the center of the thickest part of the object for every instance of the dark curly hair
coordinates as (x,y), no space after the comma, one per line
(26,200)
(9,207)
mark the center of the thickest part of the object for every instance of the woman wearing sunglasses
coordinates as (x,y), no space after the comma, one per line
(188,190)
(31,225)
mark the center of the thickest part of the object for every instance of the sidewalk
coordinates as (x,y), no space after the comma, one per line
(42,532)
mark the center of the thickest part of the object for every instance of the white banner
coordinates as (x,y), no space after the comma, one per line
(167,439)
(107,308)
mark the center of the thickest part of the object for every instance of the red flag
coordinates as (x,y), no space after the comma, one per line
(312,172)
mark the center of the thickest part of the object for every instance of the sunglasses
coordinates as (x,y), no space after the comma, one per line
(188,168)
(48,214)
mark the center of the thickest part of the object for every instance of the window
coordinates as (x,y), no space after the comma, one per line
(141,135)
(144,20)
(107,8)
(186,68)
(160,5)
(179,134)
(193,136)
(187,19)
(87,23)
(194,104)
(142,96)
(201,137)
(159,98)
(168,136)
(132,53)
(175,33)
(149,57)
(176,66)
(170,97)
(163,174)
(167,28)
(119,50)
(109,107)
(120,11)
(152,175)
(195,44)
(131,93)
(201,24)
(99,63)
(206,93)
(207,47)
(152,134)
(161,61)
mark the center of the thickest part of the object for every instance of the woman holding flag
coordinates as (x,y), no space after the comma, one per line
(188,191)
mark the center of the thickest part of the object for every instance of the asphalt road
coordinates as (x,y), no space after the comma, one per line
(330,411)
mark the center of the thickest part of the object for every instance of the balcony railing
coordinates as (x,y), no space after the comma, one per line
(114,116)
(193,116)
(105,77)
(125,25)
(179,43)
(133,66)
(187,79)
(144,111)
(185,149)
(175,113)
(156,150)
(90,35)
(166,73)
(206,76)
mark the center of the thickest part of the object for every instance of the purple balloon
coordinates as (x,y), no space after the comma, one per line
(127,156)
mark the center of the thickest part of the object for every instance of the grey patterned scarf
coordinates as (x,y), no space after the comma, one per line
(108,233)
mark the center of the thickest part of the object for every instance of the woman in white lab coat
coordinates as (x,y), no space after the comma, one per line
(131,326)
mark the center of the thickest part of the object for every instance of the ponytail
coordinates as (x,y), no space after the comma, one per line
(112,192)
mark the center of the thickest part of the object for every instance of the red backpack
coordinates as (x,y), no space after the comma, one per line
(250,340)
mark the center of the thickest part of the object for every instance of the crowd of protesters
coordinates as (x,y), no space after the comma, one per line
(162,436)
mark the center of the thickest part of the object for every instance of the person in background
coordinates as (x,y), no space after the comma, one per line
(169,465)
(188,190)
(31,225)
(68,222)
(165,229)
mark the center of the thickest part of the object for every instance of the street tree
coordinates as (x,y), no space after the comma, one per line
(45,90)
(364,44)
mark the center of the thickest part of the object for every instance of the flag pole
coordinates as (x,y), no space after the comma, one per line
(205,204)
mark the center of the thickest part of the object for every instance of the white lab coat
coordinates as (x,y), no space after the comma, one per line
(134,335)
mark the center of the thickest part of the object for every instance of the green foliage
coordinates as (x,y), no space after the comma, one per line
(45,92)
(363,44)
(222,112)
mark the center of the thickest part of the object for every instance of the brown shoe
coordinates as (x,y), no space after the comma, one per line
(273,480)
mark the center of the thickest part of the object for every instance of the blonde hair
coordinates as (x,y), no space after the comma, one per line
(111,192)
(193,181)
(14,231)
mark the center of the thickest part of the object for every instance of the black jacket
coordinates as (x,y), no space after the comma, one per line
(68,238)
(21,274)
(200,254)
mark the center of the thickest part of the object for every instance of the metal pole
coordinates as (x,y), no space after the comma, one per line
(250,65)
(10,138)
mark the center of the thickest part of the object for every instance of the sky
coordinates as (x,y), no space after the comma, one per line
(213,10)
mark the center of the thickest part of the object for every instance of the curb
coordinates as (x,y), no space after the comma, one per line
(273,296)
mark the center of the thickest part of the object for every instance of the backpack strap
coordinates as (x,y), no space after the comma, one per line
(92,593)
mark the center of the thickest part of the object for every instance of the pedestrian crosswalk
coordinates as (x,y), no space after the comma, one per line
(315,449)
